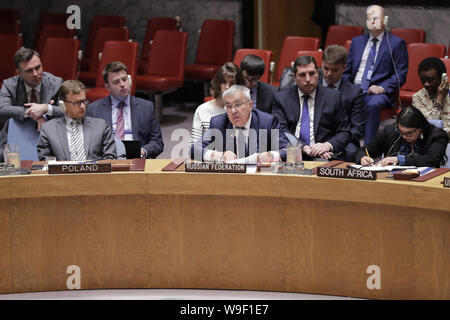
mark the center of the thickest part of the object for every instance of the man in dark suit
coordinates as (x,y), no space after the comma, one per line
(262,93)
(130,118)
(333,66)
(28,96)
(74,136)
(378,63)
(241,132)
(313,113)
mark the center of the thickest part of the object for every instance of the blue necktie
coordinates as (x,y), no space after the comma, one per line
(370,62)
(304,126)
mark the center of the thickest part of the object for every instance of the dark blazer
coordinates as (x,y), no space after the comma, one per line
(98,140)
(388,141)
(144,124)
(264,96)
(221,123)
(330,118)
(384,72)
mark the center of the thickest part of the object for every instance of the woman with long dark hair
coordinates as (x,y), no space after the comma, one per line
(412,141)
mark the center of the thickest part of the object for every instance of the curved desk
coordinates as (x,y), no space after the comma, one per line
(222,231)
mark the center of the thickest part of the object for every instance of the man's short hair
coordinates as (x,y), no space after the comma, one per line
(70,86)
(432,63)
(228,69)
(253,65)
(335,54)
(24,55)
(237,88)
(304,61)
(115,66)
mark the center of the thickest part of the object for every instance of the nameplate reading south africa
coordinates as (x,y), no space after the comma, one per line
(79,168)
(346,173)
(215,167)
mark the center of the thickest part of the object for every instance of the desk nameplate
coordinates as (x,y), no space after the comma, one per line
(331,172)
(79,168)
(446,182)
(215,167)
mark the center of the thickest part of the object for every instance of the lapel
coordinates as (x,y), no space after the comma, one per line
(381,50)
(62,136)
(21,93)
(295,105)
(44,85)
(87,128)
(364,40)
(318,107)
(254,127)
(134,110)
(106,111)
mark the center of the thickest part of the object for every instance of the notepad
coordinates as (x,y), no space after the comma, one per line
(380,168)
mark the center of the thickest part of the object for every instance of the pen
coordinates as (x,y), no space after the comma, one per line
(367,153)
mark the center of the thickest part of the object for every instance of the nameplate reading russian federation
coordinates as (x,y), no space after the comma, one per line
(446,182)
(79,168)
(346,173)
(215,167)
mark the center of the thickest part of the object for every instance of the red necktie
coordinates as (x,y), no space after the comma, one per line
(33,97)
(120,124)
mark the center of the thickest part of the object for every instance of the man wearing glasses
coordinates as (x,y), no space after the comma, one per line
(261,93)
(74,136)
(28,96)
(241,132)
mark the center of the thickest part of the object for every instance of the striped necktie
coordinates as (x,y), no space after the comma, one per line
(120,124)
(77,152)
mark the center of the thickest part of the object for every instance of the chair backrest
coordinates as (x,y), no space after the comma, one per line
(103,35)
(317,55)
(417,52)
(153,25)
(266,55)
(10,44)
(9,21)
(347,45)
(447,153)
(123,51)
(168,54)
(24,133)
(60,57)
(338,34)
(447,65)
(98,22)
(409,35)
(53,31)
(216,42)
(291,46)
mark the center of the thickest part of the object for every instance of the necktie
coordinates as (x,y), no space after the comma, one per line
(77,152)
(33,96)
(240,141)
(369,64)
(304,127)
(253,96)
(120,124)
(331,86)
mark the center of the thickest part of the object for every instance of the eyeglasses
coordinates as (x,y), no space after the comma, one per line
(237,106)
(407,134)
(79,102)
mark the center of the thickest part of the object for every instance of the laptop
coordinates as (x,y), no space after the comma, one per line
(132,148)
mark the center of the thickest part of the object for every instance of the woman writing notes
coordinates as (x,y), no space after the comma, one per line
(412,141)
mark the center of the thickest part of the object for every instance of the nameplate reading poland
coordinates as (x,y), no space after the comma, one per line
(346,173)
(216,167)
(79,168)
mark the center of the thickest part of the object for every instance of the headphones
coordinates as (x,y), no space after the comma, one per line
(385,21)
(62,105)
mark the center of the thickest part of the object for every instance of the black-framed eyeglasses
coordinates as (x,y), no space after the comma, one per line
(237,106)
(408,133)
(79,102)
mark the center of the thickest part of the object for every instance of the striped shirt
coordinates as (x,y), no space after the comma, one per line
(202,116)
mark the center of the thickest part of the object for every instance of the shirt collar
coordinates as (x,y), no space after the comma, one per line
(247,124)
(69,119)
(380,37)
(115,102)
(337,84)
(312,95)
(37,88)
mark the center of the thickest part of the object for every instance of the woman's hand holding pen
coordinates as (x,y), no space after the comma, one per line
(388,161)
(366,161)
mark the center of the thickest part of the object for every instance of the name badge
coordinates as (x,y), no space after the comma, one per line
(369,74)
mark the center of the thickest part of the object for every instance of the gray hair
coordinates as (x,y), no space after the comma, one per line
(237,88)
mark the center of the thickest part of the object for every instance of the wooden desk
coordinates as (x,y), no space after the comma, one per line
(214,231)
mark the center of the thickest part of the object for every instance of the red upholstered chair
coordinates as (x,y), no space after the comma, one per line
(417,52)
(317,55)
(60,57)
(337,34)
(98,21)
(104,34)
(291,46)
(165,70)
(266,55)
(447,64)
(409,35)
(10,44)
(53,31)
(215,47)
(347,45)
(153,25)
(9,21)
(123,51)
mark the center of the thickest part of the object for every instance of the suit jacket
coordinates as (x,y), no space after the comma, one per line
(221,123)
(144,124)
(330,118)
(98,140)
(384,71)
(264,96)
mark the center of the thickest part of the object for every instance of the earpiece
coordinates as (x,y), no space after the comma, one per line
(386,20)
(129,79)
(62,105)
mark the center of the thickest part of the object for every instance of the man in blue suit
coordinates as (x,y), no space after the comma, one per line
(129,117)
(378,63)
(241,132)
(313,113)
(333,66)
